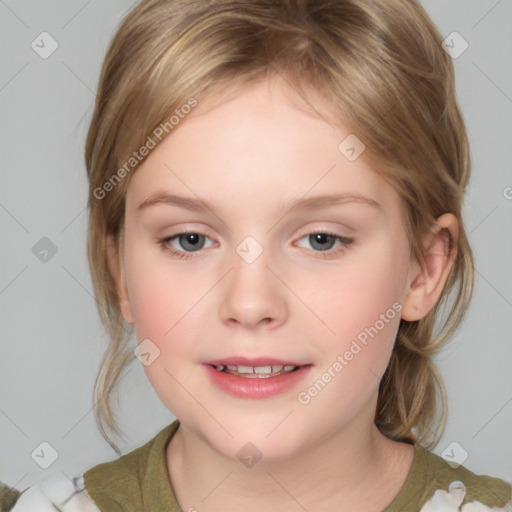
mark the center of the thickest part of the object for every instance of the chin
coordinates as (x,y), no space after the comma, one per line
(266,441)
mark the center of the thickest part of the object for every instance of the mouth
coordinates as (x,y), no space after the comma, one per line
(258,378)
(256,372)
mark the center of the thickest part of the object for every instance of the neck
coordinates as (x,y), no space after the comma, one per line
(354,469)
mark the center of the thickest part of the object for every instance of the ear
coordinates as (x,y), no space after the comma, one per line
(426,282)
(116,266)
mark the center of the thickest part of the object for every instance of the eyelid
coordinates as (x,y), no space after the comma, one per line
(166,241)
(337,232)
(344,242)
(176,230)
(325,230)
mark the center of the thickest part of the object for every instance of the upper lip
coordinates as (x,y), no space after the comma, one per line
(253,361)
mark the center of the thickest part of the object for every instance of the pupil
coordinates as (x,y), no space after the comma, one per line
(190,241)
(320,239)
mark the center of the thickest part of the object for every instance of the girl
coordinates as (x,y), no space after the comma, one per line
(275,213)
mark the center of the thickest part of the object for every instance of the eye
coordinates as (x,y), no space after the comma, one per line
(190,242)
(324,242)
(183,245)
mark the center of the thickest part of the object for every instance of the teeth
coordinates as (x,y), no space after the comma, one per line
(256,371)
(260,369)
(246,369)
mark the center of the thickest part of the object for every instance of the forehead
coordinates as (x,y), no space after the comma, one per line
(266,141)
(274,90)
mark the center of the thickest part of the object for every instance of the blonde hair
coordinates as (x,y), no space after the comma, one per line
(378,63)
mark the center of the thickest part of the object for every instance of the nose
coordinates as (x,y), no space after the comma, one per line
(252,295)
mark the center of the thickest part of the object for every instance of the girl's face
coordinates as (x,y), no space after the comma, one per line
(252,280)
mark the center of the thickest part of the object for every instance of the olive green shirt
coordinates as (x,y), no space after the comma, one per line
(139,481)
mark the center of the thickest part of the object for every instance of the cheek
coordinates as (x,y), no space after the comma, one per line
(155,307)
(164,307)
(168,302)
(159,299)
(355,298)
(361,306)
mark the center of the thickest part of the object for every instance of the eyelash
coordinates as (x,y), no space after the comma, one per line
(344,241)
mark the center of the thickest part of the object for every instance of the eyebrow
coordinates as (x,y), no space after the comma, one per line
(298,203)
(311,203)
(188,203)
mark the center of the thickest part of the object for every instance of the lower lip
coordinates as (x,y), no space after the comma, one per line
(256,388)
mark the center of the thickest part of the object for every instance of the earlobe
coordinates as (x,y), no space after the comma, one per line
(427,281)
(116,267)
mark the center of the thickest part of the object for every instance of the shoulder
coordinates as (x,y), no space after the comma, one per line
(56,492)
(8,497)
(121,483)
(452,486)
(114,486)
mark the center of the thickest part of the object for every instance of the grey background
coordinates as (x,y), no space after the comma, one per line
(52,340)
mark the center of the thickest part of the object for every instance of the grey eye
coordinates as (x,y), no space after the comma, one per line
(190,241)
(322,241)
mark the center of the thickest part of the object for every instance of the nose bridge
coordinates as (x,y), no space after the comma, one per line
(252,294)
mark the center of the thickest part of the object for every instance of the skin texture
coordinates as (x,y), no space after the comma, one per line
(250,155)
